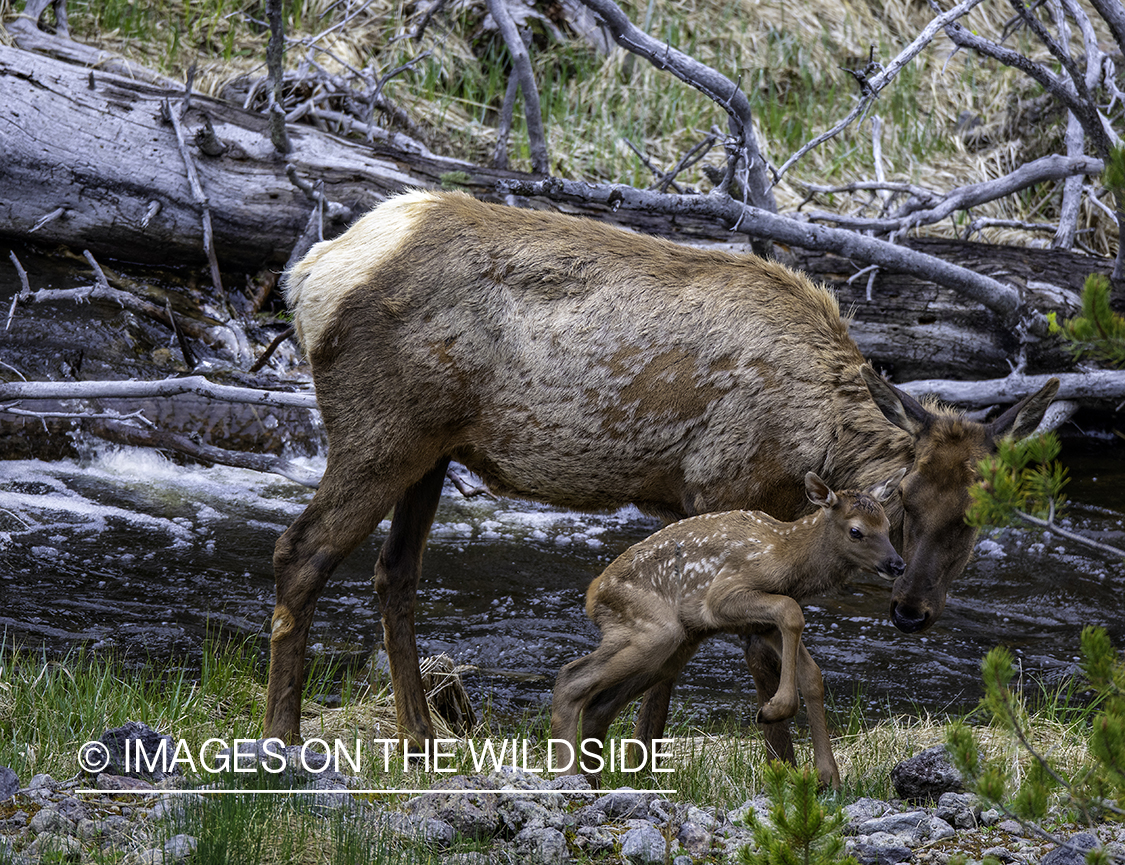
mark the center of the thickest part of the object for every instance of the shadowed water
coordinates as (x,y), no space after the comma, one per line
(130,551)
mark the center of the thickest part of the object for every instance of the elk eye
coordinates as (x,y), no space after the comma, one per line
(856,534)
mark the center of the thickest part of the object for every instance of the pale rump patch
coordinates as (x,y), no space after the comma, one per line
(315,286)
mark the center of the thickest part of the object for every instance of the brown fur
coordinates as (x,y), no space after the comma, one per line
(741,572)
(572,363)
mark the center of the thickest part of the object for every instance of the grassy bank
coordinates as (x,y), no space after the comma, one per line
(48,708)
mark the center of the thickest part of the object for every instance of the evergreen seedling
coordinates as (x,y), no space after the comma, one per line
(800,831)
(1098,332)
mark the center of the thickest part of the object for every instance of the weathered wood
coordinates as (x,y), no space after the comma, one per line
(90,163)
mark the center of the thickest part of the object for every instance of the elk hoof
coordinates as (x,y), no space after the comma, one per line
(773,711)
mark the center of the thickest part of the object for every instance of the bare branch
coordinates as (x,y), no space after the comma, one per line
(1054,167)
(872,86)
(197,195)
(712,84)
(1002,299)
(1050,525)
(148,389)
(1093,386)
(537,140)
(275,51)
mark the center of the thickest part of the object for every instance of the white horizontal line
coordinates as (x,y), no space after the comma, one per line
(436,791)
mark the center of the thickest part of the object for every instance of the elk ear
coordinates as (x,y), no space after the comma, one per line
(897,406)
(819,492)
(1021,419)
(882,492)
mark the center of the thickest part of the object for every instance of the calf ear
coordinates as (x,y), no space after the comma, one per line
(818,491)
(882,492)
(897,406)
(1021,419)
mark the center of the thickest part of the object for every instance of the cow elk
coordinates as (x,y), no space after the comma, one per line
(574,363)
(740,572)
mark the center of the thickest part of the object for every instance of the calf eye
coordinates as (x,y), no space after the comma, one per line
(856,534)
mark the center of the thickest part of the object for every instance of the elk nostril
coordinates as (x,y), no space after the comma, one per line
(898,568)
(907,619)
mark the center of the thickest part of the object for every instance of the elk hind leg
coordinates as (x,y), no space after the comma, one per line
(396,582)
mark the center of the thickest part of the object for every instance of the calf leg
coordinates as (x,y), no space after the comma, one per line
(652,717)
(765,667)
(811,684)
(396,582)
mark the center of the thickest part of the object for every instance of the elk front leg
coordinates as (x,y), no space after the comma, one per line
(345,510)
(396,582)
(765,668)
(812,689)
(749,611)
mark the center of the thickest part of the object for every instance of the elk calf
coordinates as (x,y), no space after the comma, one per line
(740,572)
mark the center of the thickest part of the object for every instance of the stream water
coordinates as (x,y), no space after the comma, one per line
(128,551)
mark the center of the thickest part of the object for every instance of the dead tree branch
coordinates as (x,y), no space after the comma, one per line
(716,86)
(870,86)
(196,384)
(521,69)
(1001,298)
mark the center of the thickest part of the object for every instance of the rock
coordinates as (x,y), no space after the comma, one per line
(694,838)
(473,815)
(594,839)
(1073,852)
(1012,827)
(51,847)
(926,776)
(879,849)
(644,846)
(960,810)
(915,824)
(542,846)
(106,781)
(940,830)
(148,758)
(1002,854)
(427,829)
(866,808)
(520,814)
(991,817)
(623,803)
(179,848)
(9,783)
(48,820)
(42,781)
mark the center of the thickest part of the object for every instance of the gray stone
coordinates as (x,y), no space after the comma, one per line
(866,808)
(594,839)
(48,820)
(682,860)
(926,776)
(916,824)
(1012,827)
(1003,854)
(542,846)
(623,803)
(991,817)
(695,838)
(590,816)
(42,781)
(520,814)
(9,783)
(760,805)
(879,849)
(411,828)
(149,757)
(1073,852)
(69,849)
(474,815)
(940,830)
(960,810)
(644,846)
(179,848)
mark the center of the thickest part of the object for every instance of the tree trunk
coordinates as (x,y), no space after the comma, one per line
(90,163)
